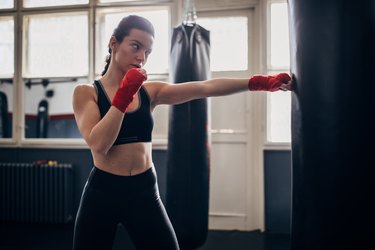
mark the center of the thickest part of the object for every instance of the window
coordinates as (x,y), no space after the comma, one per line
(229,42)
(116,1)
(278,103)
(279,37)
(56,45)
(45,3)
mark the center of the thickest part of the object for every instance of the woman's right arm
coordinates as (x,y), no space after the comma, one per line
(100,134)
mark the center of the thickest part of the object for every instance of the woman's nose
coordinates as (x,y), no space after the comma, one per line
(141,56)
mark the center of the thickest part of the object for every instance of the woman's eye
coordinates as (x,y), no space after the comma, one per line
(135,46)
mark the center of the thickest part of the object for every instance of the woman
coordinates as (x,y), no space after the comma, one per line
(114,117)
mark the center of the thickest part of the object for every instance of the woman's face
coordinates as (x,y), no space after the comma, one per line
(133,51)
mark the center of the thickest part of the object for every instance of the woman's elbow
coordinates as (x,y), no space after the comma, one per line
(99,151)
(98,148)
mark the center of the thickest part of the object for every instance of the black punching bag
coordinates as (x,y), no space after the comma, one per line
(332,61)
(42,120)
(188,140)
(4,118)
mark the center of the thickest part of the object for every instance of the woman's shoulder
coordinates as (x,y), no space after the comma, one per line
(84,90)
(154,86)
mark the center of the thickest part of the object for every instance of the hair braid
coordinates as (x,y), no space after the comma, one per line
(107,61)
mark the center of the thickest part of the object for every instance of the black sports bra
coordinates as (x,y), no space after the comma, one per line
(137,125)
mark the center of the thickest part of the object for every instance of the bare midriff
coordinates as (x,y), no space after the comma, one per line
(126,159)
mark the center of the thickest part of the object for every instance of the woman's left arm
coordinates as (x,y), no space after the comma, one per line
(166,93)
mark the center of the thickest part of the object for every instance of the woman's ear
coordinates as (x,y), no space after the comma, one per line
(113,43)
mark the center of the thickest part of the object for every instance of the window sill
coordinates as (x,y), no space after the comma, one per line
(277,146)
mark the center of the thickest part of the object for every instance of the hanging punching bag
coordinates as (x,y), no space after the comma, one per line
(332,60)
(42,120)
(188,140)
(4,118)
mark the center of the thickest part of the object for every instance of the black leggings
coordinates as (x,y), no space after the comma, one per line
(134,201)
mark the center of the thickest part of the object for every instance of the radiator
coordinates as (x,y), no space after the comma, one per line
(36,193)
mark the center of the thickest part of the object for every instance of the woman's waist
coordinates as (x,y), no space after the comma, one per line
(118,184)
(125,160)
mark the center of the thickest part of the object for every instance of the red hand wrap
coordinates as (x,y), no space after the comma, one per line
(268,83)
(129,86)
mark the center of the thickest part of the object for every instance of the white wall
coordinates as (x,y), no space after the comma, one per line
(60,103)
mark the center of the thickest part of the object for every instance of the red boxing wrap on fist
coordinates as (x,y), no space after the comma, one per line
(129,86)
(268,83)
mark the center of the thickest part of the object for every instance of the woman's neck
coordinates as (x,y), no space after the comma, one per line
(112,77)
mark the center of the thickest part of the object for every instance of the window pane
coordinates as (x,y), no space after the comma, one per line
(279,117)
(6,71)
(161,116)
(56,45)
(45,3)
(6,46)
(279,36)
(116,1)
(279,103)
(234,108)
(229,42)
(6,4)
(51,116)
(159,58)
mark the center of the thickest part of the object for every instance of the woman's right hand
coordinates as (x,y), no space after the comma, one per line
(129,86)
(143,72)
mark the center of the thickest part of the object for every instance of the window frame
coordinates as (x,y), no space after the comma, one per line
(43,142)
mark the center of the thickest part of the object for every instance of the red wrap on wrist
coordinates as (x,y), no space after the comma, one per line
(129,86)
(268,83)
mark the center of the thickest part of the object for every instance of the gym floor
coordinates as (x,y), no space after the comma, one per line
(47,237)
